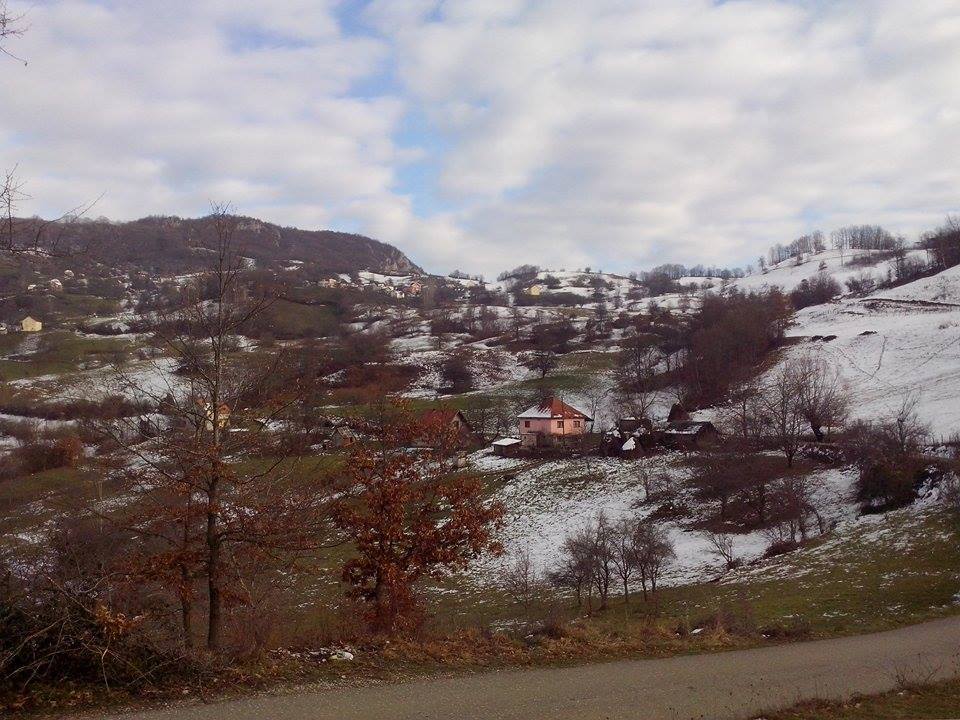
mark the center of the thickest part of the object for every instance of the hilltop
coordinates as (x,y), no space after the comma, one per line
(168,245)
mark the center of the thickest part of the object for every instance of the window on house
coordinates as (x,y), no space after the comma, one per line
(559,424)
(526,423)
(576,423)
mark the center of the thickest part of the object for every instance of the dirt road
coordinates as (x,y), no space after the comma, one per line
(725,685)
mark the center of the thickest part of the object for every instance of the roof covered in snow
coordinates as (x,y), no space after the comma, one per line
(689,428)
(553,408)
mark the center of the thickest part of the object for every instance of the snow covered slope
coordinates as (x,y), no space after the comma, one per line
(943,287)
(895,342)
(547,502)
(787,275)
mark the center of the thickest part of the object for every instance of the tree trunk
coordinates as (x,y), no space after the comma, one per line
(381,601)
(186,607)
(817,431)
(214,620)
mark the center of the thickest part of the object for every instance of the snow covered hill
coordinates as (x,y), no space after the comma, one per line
(841,266)
(893,343)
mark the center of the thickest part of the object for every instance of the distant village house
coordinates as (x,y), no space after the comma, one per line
(342,436)
(453,421)
(29,324)
(220,416)
(552,422)
(679,432)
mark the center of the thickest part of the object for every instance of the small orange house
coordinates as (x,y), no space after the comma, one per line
(551,422)
(453,421)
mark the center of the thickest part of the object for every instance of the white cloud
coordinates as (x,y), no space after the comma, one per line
(617,133)
(165,107)
(627,133)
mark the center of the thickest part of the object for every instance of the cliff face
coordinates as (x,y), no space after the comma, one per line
(176,244)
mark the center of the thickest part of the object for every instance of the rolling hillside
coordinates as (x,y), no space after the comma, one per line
(173,244)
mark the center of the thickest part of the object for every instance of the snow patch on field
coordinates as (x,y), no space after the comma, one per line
(548,501)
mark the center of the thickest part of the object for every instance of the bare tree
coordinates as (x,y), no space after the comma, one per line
(780,400)
(906,432)
(17,236)
(796,507)
(625,556)
(575,571)
(637,363)
(824,399)
(522,579)
(11,190)
(743,416)
(654,551)
(595,393)
(543,361)
(603,557)
(722,544)
(718,477)
(11,26)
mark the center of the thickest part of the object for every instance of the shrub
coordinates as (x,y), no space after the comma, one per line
(819,289)
(796,627)
(41,455)
(884,485)
(63,633)
(780,547)
(861,284)
(456,372)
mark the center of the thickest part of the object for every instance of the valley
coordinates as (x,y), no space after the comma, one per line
(756,546)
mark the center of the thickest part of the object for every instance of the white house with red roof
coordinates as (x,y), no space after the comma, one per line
(551,422)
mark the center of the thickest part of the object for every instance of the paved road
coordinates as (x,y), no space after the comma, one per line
(736,684)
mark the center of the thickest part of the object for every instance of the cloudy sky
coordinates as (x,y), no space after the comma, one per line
(480,134)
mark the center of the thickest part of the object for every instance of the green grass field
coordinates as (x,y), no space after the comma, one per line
(59,352)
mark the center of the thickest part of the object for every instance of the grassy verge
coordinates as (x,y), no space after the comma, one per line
(939,700)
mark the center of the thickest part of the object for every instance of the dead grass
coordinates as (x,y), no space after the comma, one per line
(939,700)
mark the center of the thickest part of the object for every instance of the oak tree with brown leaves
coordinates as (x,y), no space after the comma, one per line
(409,514)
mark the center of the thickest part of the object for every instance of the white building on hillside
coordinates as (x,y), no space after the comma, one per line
(29,324)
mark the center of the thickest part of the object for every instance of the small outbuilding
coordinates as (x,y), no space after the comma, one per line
(446,419)
(506,447)
(342,436)
(29,324)
(691,435)
(629,425)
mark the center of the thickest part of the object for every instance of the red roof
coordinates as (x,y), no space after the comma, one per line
(554,408)
(441,415)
